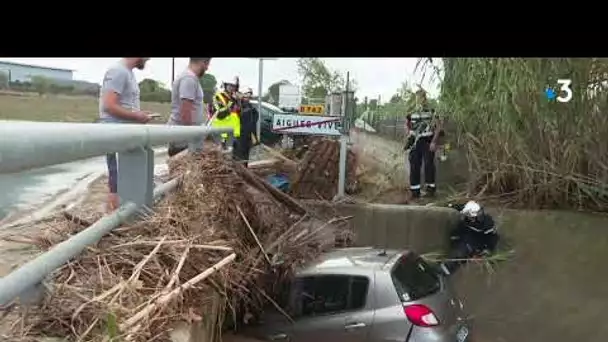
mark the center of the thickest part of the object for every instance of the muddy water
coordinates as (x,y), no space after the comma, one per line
(24,190)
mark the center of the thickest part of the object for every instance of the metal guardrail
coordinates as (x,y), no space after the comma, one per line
(28,145)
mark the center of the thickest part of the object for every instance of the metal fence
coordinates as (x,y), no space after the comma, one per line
(390,128)
(27,145)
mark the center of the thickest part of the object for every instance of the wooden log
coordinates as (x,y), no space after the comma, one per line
(261,184)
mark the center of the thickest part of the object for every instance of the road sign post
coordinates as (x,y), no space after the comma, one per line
(343,144)
(260,91)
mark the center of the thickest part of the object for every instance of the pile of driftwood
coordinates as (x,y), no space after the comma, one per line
(313,171)
(207,254)
(317,172)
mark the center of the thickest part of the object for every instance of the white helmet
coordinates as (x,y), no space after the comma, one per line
(234,81)
(472,209)
(248,91)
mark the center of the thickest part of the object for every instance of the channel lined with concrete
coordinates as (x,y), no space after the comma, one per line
(553,288)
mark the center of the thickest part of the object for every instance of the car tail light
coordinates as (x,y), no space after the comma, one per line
(421,315)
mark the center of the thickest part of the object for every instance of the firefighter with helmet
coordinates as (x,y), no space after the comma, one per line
(475,235)
(226,109)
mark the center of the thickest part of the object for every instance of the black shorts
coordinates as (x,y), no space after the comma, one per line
(176,149)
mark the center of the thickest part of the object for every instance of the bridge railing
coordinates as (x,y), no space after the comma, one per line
(28,145)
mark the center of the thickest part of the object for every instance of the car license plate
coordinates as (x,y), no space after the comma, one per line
(462,334)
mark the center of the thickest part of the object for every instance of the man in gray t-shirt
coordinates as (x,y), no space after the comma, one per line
(119,94)
(187,99)
(119,103)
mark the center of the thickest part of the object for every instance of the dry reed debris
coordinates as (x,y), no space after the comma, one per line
(216,236)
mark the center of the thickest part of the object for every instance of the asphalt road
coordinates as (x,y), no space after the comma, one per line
(29,190)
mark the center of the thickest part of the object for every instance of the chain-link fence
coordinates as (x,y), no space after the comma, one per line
(390,128)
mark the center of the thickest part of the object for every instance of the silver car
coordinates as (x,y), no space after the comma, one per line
(367,295)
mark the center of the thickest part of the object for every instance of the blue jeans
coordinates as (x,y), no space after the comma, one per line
(112,162)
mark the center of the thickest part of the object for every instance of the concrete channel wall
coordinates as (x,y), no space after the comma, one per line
(419,228)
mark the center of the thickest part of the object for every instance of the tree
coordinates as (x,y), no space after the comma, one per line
(148,85)
(272,95)
(153,91)
(395,98)
(3,79)
(209,85)
(318,80)
(41,84)
(208,82)
(373,104)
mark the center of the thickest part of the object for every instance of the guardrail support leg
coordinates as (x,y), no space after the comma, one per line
(136,176)
(33,295)
(196,145)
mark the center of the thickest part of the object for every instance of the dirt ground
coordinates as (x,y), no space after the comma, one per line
(13,254)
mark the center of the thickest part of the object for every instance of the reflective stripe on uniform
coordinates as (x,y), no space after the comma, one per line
(415,187)
(418,116)
(421,124)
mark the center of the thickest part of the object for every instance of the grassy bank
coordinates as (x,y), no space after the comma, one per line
(58,107)
(540,153)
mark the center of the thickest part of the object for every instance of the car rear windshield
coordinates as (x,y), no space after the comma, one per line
(414,278)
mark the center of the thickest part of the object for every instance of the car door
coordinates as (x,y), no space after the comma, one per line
(268,136)
(273,327)
(333,308)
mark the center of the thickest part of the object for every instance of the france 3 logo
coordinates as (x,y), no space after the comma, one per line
(564,94)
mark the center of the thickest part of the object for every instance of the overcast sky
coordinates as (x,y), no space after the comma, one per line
(374,76)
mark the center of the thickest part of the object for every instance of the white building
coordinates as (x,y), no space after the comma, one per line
(17,72)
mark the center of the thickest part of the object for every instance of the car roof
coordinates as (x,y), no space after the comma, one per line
(353,260)
(268,106)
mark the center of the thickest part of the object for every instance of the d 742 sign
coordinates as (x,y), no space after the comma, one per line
(312,109)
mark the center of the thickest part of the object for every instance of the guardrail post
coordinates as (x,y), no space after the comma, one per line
(196,145)
(32,295)
(136,176)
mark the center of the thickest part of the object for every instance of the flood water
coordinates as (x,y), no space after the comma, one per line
(26,190)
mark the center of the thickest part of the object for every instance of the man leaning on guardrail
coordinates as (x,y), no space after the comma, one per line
(119,102)
(187,99)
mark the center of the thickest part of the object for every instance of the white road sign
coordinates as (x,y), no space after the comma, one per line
(289,96)
(306,124)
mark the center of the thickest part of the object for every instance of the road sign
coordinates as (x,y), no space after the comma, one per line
(306,124)
(289,96)
(312,109)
